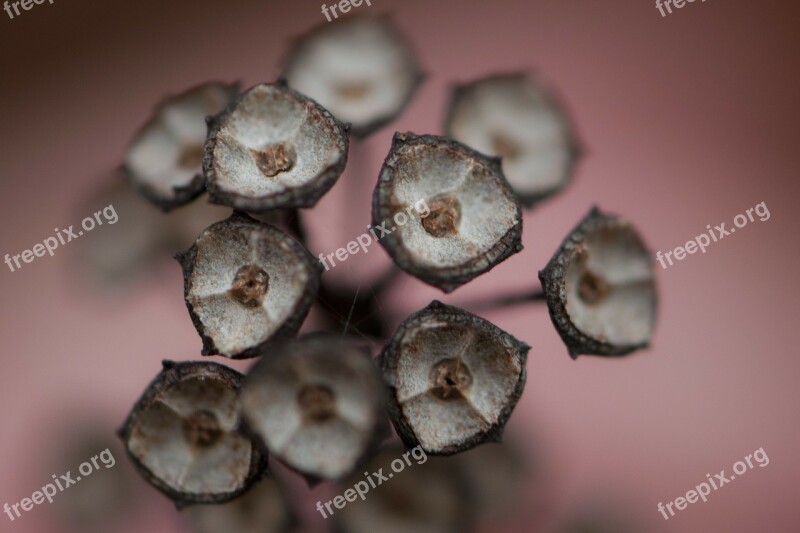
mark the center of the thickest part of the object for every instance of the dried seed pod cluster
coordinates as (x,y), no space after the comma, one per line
(600,288)
(318,404)
(454,379)
(360,68)
(273,147)
(474,221)
(164,159)
(183,436)
(515,116)
(245,284)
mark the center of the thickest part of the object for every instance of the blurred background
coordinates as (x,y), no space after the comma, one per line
(687,120)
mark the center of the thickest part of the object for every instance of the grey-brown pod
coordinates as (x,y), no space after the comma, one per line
(454,379)
(600,288)
(164,160)
(273,148)
(517,117)
(444,212)
(318,404)
(360,68)
(247,284)
(183,435)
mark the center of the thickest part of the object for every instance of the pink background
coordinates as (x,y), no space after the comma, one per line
(688,120)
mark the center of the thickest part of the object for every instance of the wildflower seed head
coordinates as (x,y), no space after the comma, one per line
(454,379)
(273,148)
(183,437)
(360,68)
(247,284)
(516,117)
(430,496)
(472,221)
(165,158)
(318,404)
(600,288)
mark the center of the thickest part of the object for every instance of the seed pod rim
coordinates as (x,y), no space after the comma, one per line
(361,132)
(389,358)
(575,146)
(304,196)
(553,280)
(194,189)
(321,342)
(172,372)
(291,326)
(447,279)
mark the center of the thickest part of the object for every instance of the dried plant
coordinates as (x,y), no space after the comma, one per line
(447,379)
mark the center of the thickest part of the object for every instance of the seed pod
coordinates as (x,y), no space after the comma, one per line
(182,435)
(165,158)
(454,379)
(471,220)
(264,508)
(428,494)
(247,284)
(272,148)
(515,116)
(318,404)
(600,288)
(360,68)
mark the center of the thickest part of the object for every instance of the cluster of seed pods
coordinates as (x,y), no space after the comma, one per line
(447,379)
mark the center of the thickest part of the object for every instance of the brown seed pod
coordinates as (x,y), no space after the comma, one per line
(165,158)
(264,508)
(247,284)
(360,68)
(318,404)
(182,435)
(428,495)
(454,379)
(600,288)
(273,148)
(515,116)
(473,221)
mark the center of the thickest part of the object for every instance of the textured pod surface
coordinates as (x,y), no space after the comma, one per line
(427,496)
(474,220)
(273,148)
(600,288)
(318,404)
(454,379)
(263,509)
(515,116)
(360,68)
(183,436)
(246,284)
(165,158)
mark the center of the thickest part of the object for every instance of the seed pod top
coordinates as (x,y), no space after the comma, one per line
(516,117)
(473,220)
(165,158)
(273,147)
(246,284)
(454,378)
(182,435)
(360,68)
(600,288)
(318,405)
